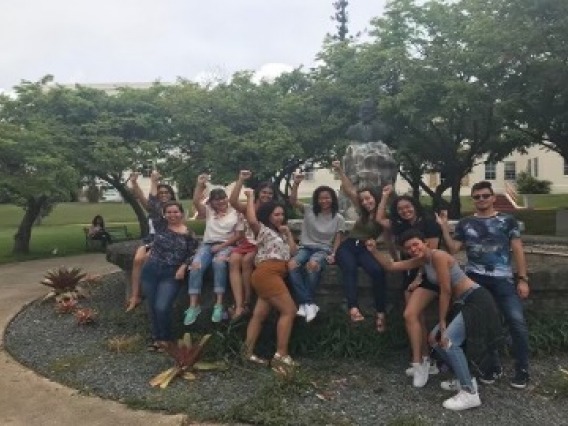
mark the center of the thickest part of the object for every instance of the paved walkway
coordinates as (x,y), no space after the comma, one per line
(28,399)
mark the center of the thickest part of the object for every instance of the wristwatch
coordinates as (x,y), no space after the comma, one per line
(523,278)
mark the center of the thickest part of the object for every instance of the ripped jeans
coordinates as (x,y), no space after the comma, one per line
(205,257)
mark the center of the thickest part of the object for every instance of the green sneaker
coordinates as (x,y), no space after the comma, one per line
(217,313)
(191,314)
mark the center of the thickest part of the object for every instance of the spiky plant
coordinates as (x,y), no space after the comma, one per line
(186,356)
(62,280)
(121,344)
(85,316)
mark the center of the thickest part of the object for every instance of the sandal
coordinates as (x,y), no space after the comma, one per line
(250,357)
(283,364)
(355,315)
(155,347)
(381,323)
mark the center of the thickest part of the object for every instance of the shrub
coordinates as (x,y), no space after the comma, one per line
(527,184)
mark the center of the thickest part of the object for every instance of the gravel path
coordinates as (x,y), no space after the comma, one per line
(323,392)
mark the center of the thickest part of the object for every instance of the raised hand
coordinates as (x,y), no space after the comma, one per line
(249,193)
(283,229)
(202,179)
(133,177)
(298,178)
(387,190)
(336,165)
(155,176)
(442,218)
(245,174)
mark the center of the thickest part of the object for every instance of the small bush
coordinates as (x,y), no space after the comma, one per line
(527,184)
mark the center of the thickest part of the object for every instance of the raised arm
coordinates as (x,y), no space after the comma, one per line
(236,192)
(137,191)
(298,178)
(381,216)
(452,245)
(251,212)
(387,262)
(198,193)
(346,185)
(154,180)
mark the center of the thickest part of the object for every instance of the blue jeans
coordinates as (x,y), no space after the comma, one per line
(160,288)
(454,355)
(350,255)
(205,257)
(509,303)
(305,282)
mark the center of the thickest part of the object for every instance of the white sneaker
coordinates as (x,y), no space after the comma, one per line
(301,311)
(420,377)
(432,370)
(311,311)
(462,401)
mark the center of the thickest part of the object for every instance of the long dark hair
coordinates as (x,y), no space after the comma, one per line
(169,189)
(334,202)
(418,209)
(98,218)
(261,186)
(265,210)
(376,194)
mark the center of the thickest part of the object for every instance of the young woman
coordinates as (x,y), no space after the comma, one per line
(159,195)
(218,241)
(275,245)
(97,230)
(164,271)
(406,213)
(322,229)
(475,322)
(352,252)
(241,261)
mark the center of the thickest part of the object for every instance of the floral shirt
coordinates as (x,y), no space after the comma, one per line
(271,245)
(172,248)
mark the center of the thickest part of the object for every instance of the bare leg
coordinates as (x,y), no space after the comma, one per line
(260,313)
(139,259)
(287,309)
(236,280)
(247,268)
(418,301)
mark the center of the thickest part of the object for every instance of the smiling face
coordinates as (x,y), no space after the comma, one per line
(164,195)
(406,210)
(483,199)
(173,215)
(367,201)
(325,201)
(415,247)
(220,205)
(265,194)
(276,218)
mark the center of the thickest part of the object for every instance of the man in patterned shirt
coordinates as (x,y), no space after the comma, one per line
(489,238)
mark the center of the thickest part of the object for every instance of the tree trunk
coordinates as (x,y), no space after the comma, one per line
(24,234)
(138,210)
(455,201)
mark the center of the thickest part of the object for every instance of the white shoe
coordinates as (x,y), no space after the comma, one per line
(301,311)
(432,370)
(420,377)
(462,401)
(311,311)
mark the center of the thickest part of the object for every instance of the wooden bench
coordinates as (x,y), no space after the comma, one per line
(117,233)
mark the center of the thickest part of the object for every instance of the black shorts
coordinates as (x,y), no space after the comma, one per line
(425,284)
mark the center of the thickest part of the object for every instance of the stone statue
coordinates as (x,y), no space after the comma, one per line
(368,161)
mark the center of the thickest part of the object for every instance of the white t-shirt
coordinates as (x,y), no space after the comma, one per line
(219,228)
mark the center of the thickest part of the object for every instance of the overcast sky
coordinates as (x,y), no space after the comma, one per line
(101,41)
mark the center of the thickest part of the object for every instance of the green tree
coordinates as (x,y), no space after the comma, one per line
(341,18)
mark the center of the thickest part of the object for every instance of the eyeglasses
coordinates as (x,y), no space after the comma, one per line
(478,197)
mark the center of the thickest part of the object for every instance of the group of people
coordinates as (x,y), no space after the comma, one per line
(249,245)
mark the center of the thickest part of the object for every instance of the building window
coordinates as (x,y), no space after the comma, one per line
(565,168)
(490,171)
(309,176)
(535,167)
(510,170)
(529,168)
